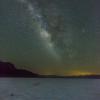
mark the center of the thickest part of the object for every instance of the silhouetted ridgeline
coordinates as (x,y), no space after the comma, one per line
(8,70)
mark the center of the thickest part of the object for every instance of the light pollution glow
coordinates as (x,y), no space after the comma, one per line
(60,72)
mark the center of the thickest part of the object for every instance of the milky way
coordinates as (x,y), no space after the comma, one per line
(35,13)
(51,42)
(65,28)
(50,34)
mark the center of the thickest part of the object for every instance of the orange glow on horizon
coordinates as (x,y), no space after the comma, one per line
(80,73)
(62,72)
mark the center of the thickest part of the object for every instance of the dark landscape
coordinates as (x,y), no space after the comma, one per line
(8,69)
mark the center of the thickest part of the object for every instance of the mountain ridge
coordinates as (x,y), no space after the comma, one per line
(8,69)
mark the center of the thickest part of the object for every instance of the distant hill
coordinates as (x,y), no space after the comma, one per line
(8,70)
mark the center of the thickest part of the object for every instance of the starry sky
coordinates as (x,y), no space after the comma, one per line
(58,37)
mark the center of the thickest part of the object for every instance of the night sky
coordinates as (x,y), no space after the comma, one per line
(58,37)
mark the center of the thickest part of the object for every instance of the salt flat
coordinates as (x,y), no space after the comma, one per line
(49,89)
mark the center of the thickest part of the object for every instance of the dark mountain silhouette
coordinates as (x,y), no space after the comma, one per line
(8,70)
